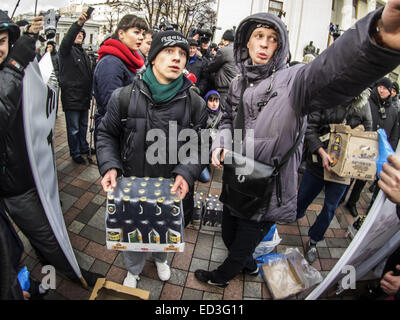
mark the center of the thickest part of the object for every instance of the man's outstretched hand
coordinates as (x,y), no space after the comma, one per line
(389,25)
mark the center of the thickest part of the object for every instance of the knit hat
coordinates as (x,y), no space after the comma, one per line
(209,93)
(396,87)
(229,35)
(192,42)
(386,82)
(256,25)
(164,39)
(6,24)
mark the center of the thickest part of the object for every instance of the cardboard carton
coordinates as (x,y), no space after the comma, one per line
(108,290)
(143,215)
(354,152)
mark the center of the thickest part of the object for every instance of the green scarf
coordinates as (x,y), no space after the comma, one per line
(162,92)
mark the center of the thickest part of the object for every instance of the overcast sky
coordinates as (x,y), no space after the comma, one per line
(29,5)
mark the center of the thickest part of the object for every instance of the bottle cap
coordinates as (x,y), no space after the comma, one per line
(143,199)
(126,190)
(126,198)
(142,191)
(143,184)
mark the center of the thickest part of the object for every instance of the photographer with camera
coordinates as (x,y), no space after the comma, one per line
(223,66)
(76,75)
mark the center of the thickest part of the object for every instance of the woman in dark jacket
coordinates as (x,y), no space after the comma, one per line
(356,113)
(118,62)
(51,46)
(271,100)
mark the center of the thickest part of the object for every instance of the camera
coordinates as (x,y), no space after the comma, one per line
(166,25)
(50,21)
(205,35)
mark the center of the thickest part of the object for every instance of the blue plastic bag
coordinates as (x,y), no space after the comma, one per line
(270,233)
(23,278)
(385,150)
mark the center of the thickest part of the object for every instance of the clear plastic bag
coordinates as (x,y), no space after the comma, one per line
(308,275)
(270,241)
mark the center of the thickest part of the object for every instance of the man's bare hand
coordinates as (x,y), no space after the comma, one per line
(389,25)
(390,179)
(82,19)
(390,283)
(109,180)
(326,159)
(37,25)
(180,186)
(218,156)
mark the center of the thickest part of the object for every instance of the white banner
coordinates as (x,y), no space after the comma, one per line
(39,113)
(376,239)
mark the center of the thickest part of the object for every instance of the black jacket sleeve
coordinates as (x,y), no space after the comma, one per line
(69,39)
(313,133)
(108,137)
(352,63)
(11,83)
(191,171)
(217,62)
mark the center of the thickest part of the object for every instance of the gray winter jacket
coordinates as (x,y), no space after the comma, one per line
(277,98)
(224,68)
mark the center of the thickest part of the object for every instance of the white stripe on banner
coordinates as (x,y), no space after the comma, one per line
(377,238)
(39,113)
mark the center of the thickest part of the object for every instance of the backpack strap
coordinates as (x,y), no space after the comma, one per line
(124,100)
(194,107)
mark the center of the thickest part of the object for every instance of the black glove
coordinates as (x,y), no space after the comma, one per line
(22,52)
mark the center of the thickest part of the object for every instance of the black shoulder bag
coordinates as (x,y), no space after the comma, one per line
(248,195)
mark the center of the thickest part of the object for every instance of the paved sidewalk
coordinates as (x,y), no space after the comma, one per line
(84,210)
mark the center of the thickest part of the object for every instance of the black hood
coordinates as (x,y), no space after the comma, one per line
(241,53)
(6,24)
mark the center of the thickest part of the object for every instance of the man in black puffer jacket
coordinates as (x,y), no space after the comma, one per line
(159,100)
(385,116)
(355,113)
(76,76)
(18,192)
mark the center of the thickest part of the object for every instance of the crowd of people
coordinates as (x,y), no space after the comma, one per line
(144,80)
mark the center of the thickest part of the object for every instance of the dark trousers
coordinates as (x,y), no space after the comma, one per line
(77,126)
(356,192)
(241,237)
(309,189)
(27,212)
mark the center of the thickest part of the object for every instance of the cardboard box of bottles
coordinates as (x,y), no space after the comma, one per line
(354,152)
(212,216)
(143,215)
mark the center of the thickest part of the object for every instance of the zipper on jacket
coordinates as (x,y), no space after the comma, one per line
(262,104)
(127,146)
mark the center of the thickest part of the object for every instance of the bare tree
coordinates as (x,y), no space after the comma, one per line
(185,13)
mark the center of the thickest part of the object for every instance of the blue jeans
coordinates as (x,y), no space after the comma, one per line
(310,187)
(77,126)
(205,176)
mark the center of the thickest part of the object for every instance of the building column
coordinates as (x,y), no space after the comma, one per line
(347,14)
(371,5)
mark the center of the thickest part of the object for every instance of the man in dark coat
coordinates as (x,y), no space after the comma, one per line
(158,99)
(223,67)
(197,66)
(18,193)
(385,116)
(76,88)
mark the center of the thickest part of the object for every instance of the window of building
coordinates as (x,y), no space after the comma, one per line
(91,38)
(275,7)
(355,9)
